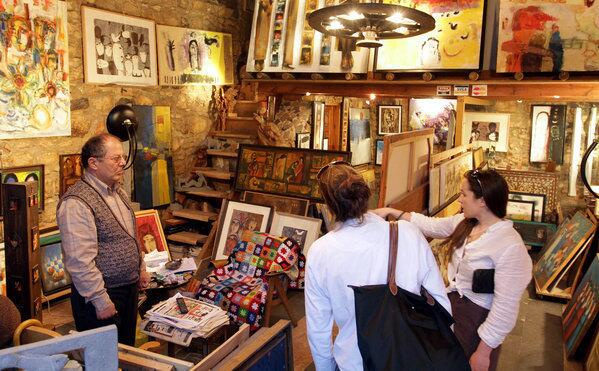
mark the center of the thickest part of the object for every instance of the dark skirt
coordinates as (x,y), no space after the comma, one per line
(468,317)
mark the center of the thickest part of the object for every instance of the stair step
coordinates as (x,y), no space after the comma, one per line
(210,172)
(187,237)
(174,222)
(246,108)
(233,135)
(240,118)
(208,193)
(202,216)
(222,153)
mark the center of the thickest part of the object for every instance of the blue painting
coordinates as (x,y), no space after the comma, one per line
(359,136)
(54,274)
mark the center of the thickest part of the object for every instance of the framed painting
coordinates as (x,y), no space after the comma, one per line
(70,171)
(478,158)
(535,182)
(451,174)
(359,135)
(486,129)
(435,113)
(149,231)
(54,274)
(194,57)
(25,174)
(539,201)
(454,45)
(559,39)
(389,120)
(581,311)
(302,230)
(317,125)
(548,133)
(380,144)
(118,49)
(282,170)
(35,96)
(289,205)
(534,233)
(520,210)
(236,218)
(302,140)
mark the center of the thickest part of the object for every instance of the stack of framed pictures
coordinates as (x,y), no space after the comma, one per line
(526,206)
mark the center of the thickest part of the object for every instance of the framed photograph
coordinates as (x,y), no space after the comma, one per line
(302,140)
(359,136)
(389,120)
(534,233)
(118,49)
(380,144)
(520,210)
(539,201)
(289,205)
(70,171)
(488,129)
(282,170)
(54,275)
(317,125)
(302,229)
(24,174)
(534,182)
(548,133)
(149,231)
(236,218)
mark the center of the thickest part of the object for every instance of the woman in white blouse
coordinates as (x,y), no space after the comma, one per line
(356,253)
(480,238)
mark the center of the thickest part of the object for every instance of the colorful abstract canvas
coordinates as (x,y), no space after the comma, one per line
(548,36)
(55,276)
(561,248)
(284,171)
(153,168)
(25,174)
(194,57)
(454,44)
(34,69)
(433,113)
(581,311)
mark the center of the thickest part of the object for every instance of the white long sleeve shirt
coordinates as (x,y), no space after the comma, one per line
(499,247)
(357,254)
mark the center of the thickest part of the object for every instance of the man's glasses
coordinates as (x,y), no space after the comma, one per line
(475,174)
(336,162)
(116,159)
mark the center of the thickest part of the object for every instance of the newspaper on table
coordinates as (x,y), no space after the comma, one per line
(165,321)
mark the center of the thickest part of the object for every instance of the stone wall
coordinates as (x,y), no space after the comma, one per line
(190,111)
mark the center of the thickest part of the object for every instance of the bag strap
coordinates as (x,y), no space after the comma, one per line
(392,257)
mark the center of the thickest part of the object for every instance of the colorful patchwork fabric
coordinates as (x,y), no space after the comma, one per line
(240,287)
(298,283)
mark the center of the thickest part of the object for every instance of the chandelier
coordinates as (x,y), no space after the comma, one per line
(370,22)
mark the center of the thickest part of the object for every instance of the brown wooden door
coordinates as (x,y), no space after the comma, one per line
(332,126)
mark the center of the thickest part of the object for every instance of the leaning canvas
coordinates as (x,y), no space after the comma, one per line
(194,57)
(34,69)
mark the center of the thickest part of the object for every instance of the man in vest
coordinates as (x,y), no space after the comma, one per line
(99,242)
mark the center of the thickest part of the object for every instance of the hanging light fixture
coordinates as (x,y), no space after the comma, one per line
(370,22)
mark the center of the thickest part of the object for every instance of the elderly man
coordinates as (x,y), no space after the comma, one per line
(100,246)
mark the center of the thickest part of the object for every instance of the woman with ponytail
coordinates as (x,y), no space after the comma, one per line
(489,267)
(356,252)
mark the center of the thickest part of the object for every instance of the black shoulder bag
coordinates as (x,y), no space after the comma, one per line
(399,330)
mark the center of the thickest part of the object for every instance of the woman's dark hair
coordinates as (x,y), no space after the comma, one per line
(344,191)
(489,185)
(94,147)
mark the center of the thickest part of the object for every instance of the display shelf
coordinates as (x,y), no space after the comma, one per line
(214,173)
(207,193)
(190,238)
(222,153)
(230,135)
(174,222)
(202,216)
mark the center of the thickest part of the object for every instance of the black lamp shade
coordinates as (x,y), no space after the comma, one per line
(121,122)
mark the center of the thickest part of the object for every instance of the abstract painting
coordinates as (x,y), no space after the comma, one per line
(302,230)
(153,168)
(281,170)
(455,44)
(487,129)
(236,218)
(433,113)
(548,133)
(359,136)
(70,171)
(149,231)
(34,69)
(561,248)
(581,311)
(188,57)
(451,174)
(289,205)
(25,174)
(380,144)
(389,120)
(118,49)
(55,277)
(548,36)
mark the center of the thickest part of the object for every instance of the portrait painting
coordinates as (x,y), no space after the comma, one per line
(194,57)
(581,311)
(561,248)
(55,276)
(454,44)
(289,205)
(435,113)
(359,135)
(389,120)
(302,230)
(118,49)
(547,140)
(34,69)
(25,174)
(70,171)
(547,36)
(486,129)
(237,218)
(149,231)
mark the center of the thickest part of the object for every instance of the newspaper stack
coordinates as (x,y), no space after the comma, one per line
(165,321)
